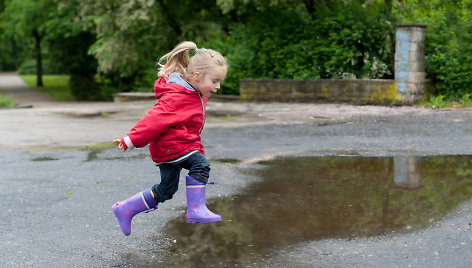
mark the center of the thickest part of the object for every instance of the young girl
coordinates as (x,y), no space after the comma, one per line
(172,129)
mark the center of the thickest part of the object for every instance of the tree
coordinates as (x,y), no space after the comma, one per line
(123,30)
(10,51)
(69,44)
(29,18)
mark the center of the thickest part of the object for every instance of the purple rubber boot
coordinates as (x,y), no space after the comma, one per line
(125,210)
(197,210)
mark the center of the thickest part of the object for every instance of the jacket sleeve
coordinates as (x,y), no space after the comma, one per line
(154,123)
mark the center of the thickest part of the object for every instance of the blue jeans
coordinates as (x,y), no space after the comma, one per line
(198,167)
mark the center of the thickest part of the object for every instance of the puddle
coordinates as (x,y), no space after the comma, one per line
(311,198)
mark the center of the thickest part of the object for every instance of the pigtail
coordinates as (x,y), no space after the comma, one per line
(177,60)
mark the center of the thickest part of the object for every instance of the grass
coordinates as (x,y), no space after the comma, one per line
(99,147)
(6,101)
(441,101)
(228,117)
(94,150)
(55,86)
(44,158)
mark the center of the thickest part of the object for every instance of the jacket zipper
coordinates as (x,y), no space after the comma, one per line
(204,113)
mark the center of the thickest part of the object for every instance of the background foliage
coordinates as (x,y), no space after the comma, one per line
(108,45)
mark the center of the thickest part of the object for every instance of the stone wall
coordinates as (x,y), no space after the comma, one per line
(368,91)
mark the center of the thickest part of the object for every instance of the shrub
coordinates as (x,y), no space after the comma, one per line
(29,67)
(449,56)
(83,87)
(6,101)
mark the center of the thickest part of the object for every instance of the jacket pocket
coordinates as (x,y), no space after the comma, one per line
(168,148)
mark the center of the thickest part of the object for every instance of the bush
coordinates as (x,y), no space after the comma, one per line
(449,56)
(6,101)
(29,67)
(83,87)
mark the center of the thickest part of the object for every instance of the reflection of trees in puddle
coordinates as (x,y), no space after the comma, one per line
(302,199)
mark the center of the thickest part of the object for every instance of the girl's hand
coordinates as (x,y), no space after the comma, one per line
(121,146)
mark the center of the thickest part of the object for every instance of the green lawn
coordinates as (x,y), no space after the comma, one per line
(55,86)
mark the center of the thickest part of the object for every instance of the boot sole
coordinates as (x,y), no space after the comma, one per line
(202,220)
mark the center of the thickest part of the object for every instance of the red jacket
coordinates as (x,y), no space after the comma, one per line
(173,126)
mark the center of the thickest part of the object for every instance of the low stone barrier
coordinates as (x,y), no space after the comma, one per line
(133,96)
(358,91)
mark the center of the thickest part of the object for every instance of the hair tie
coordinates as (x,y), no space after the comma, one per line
(196,50)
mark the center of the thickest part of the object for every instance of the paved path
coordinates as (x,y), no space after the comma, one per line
(24,95)
(52,124)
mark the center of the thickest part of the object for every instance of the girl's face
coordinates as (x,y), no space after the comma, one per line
(209,82)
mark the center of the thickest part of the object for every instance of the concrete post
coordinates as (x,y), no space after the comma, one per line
(410,76)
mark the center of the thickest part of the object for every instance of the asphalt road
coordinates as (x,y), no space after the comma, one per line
(56,194)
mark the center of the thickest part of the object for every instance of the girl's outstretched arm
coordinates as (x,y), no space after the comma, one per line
(121,146)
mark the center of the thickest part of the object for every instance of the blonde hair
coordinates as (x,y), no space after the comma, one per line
(178,60)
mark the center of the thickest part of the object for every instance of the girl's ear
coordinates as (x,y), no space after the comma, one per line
(196,76)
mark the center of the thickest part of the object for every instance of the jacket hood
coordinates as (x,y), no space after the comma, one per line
(176,83)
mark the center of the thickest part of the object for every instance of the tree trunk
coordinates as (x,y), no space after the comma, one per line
(14,49)
(310,7)
(170,18)
(39,64)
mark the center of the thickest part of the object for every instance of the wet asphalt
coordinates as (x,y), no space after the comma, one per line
(56,190)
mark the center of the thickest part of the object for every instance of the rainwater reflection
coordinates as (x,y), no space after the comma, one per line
(310,198)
